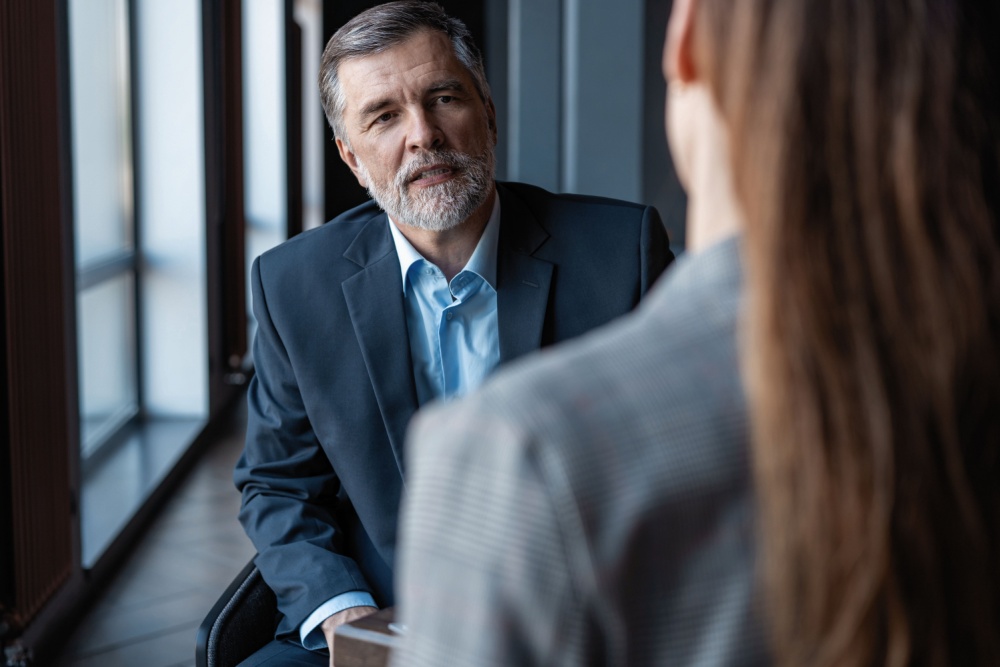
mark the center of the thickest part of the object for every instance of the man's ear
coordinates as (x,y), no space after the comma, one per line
(351,160)
(678,53)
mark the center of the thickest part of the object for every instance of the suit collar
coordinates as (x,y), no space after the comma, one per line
(483,261)
(523,281)
(374,297)
(373,243)
(521,231)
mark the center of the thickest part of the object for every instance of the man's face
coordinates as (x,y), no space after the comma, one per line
(419,137)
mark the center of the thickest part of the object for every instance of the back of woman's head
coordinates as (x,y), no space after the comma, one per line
(866,151)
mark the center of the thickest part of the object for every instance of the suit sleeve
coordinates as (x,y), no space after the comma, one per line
(654,249)
(482,576)
(288,486)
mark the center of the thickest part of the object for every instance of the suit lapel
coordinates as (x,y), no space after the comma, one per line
(523,281)
(374,298)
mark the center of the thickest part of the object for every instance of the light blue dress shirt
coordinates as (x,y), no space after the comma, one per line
(454,345)
(454,341)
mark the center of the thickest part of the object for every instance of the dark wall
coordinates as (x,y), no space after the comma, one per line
(37,471)
(661,187)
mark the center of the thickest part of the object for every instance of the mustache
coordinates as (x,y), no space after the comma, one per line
(441,156)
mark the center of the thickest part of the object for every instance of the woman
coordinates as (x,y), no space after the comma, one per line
(589,507)
(865,146)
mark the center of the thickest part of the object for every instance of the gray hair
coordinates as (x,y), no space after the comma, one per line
(382,27)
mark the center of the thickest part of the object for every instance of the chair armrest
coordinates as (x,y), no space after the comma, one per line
(242,621)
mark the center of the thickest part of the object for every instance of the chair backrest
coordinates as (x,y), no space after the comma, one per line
(242,621)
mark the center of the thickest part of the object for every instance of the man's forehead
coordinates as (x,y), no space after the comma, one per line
(419,60)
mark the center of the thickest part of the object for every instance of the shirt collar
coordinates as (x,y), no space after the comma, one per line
(484,258)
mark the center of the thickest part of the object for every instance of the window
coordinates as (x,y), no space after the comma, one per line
(264,112)
(136,73)
(104,226)
(273,137)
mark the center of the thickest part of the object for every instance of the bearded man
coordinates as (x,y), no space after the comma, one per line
(416,296)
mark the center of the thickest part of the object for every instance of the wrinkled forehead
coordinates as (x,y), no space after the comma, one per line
(410,67)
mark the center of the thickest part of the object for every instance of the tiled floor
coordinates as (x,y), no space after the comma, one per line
(150,613)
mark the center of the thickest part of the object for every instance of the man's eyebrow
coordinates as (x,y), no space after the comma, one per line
(374,107)
(447,84)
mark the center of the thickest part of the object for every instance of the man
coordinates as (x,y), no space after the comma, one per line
(370,316)
(592,505)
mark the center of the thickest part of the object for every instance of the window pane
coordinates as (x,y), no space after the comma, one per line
(171,177)
(106,335)
(264,167)
(309,16)
(102,174)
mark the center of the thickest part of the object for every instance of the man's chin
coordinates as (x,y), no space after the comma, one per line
(423,207)
(434,193)
(429,223)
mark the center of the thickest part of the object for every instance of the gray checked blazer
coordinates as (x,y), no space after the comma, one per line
(591,505)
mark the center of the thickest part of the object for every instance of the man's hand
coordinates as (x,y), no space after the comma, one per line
(330,625)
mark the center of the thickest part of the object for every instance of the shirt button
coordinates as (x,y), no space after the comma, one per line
(449,315)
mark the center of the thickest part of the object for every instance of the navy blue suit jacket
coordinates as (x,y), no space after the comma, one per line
(333,393)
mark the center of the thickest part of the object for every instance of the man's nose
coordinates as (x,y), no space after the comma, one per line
(424,132)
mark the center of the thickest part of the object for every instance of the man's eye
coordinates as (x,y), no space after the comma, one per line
(384,118)
(446,99)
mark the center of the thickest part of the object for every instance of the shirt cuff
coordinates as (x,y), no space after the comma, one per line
(311,635)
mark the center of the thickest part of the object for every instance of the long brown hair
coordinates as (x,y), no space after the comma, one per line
(866,152)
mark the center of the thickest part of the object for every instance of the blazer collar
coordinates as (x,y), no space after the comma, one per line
(374,297)
(523,281)
(372,243)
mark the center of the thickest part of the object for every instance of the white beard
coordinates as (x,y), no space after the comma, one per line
(441,207)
